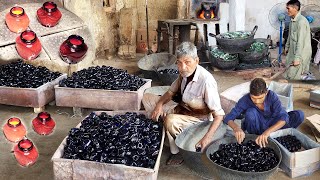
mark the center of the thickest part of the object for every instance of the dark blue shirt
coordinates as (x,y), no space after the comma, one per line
(272,108)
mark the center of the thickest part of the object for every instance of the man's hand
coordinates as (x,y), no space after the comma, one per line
(296,63)
(285,52)
(207,138)
(239,134)
(262,140)
(157,112)
(203,143)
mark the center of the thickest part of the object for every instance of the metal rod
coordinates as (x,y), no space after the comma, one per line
(280,43)
(148,45)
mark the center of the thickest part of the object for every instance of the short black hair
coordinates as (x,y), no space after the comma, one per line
(258,86)
(294,3)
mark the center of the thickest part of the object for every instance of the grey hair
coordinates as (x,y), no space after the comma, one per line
(186,49)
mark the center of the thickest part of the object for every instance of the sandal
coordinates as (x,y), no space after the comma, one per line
(307,77)
(175,160)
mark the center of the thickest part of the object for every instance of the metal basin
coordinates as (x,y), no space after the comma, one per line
(150,63)
(167,78)
(221,172)
(186,142)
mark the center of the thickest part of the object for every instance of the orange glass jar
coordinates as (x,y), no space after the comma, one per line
(17,20)
(43,124)
(14,130)
(25,152)
(28,45)
(49,15)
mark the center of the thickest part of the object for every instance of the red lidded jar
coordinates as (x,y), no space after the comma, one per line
(25,152)
(73,49)
(49,15)
(43,124)
(14,130)
(17,20)
(28,45)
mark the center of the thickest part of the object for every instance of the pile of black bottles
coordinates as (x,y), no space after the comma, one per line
(290,142)
(22,75)
(104,77)
(246,157)
(130,139)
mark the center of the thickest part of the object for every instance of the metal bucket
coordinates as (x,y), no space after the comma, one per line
(186,142)
(150,63)
(221,172)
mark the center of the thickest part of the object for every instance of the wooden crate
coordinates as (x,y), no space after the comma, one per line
(67,169)
(29,97)
(100,99)
(301,163)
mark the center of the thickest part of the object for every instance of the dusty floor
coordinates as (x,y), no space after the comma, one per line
(65,121)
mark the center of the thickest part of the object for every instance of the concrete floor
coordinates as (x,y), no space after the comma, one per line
(65,120)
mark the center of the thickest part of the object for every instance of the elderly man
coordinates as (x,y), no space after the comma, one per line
(298,45)
(264,114)
(199,101)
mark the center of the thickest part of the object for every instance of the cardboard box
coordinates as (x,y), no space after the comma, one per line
(315,96)
(100,98)
(314,120)
(314,123)
(301,163)
(284,92)
(68,169)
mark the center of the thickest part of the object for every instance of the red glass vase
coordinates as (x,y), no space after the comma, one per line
(43,124)
(14,130)
(49,15)
(28,45)
(25,152)
(17,20)
(73,49)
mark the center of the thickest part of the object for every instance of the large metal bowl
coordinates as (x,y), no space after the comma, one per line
(166,78)
(186,142)
(234,46)
(150,63)
(221,172)
(253,57)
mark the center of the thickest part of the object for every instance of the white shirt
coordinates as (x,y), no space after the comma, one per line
(202,91)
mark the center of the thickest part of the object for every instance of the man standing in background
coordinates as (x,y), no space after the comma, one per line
(298,46)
